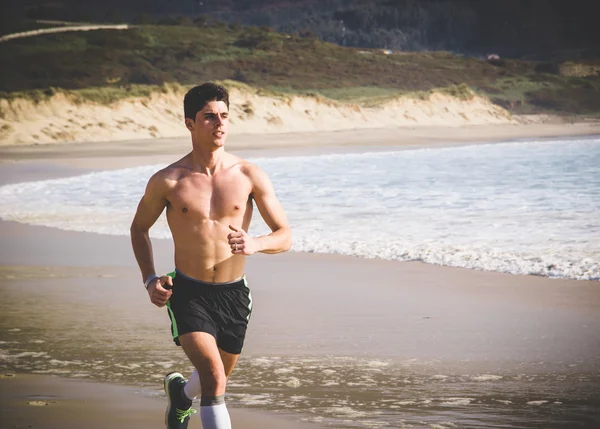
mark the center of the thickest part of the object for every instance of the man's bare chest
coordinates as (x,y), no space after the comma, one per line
(210,199)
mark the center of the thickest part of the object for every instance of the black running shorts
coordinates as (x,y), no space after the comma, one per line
(219,309)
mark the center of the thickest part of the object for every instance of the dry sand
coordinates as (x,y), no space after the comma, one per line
(306,304)
(128,153)
(63,119)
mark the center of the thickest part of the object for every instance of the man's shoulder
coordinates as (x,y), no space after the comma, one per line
(171,173)
(244,165)
(256,175)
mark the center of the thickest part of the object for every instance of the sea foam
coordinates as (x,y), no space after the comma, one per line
(519,207)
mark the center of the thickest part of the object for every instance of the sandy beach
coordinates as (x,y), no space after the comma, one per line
(334,341)
(126,153)
(54,403)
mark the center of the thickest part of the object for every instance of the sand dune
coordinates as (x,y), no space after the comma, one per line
(64,119)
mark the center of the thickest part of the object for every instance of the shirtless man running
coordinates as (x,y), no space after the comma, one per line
(208,196)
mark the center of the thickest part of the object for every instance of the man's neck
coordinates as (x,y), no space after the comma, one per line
(207,161)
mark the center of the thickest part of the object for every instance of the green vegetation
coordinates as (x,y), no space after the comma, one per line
(535,29)
(108,95)
(105,66)
(100,95)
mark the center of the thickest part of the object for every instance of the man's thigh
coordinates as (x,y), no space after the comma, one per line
(229,361)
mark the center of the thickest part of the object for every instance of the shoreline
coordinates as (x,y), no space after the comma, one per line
(53,161)
(63,160)
(64,259)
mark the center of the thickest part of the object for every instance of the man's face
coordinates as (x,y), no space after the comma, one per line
(211,124)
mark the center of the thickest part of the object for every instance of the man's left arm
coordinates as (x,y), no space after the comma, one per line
(271,210)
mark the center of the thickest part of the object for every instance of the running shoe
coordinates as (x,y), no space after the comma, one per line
(180,408)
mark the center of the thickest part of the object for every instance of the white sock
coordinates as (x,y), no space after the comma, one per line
(215,416)
(192,387)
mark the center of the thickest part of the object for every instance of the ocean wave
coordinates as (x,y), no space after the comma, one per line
(574,265)
(529,208)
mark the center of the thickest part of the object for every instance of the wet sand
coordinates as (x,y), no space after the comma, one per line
(321,304)
(73,306)
(325,327)
(30,401)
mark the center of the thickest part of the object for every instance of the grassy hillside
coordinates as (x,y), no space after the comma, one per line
(128,61)
(533,29)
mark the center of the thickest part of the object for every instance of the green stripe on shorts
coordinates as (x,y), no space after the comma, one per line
(174,329)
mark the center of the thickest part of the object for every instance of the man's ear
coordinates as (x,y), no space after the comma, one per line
(189,123)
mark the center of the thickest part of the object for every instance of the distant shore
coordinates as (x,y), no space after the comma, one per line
(296,143)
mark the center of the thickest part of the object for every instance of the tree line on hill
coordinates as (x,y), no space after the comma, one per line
(534,29)
(514,28)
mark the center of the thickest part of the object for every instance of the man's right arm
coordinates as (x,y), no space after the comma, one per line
(149,209)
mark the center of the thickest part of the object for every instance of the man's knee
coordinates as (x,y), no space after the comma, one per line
(213,380)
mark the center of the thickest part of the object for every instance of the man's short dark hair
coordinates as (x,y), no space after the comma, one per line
(197,97)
